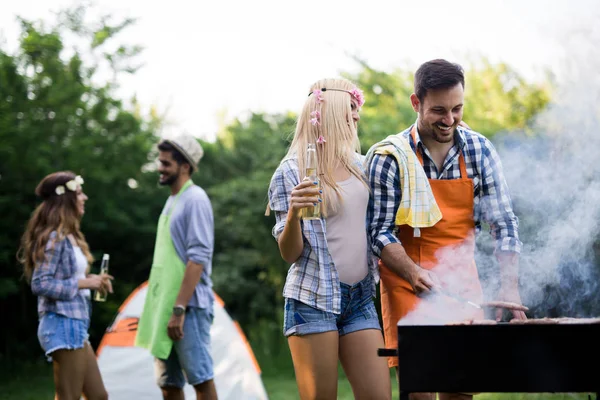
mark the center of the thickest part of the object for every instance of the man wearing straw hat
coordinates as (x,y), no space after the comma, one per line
(178,312)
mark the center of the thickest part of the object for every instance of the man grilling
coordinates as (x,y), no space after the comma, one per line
(465,175)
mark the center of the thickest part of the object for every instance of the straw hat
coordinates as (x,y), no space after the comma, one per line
(189,147)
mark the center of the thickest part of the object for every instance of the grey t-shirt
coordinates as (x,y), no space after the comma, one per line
(192,231)
(347,232)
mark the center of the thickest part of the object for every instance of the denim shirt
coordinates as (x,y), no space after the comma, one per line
(55,281)
(312,279)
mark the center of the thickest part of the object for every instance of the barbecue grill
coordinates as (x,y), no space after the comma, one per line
(499,358)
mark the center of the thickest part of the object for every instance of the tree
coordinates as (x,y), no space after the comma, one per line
(53,117)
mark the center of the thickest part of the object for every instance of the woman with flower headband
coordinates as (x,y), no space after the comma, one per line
(56,260)
(329,292)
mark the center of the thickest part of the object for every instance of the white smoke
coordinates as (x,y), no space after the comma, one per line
(554,179)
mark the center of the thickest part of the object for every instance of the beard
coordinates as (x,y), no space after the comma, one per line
(170,179)
(435,133)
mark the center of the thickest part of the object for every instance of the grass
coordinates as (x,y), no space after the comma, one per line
(33,381)
(283,387)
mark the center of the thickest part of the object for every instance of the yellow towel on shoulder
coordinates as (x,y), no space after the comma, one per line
(418,207)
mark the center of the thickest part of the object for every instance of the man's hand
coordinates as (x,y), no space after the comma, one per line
(424,281)
(509,283)
(175,327)
(510,294)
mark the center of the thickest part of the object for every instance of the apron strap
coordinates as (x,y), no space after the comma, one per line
(461,158)
(183,189)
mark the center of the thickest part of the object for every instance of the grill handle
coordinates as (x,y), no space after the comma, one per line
(387,352)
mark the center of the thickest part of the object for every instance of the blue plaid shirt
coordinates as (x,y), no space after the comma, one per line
(312,279)
(492,203)
(55,283)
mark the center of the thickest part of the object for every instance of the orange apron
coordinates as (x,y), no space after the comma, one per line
(448,249)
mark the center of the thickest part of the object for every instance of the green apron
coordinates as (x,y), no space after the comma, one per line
(164,283)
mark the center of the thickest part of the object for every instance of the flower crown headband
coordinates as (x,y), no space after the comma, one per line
(355,93)
(71,185)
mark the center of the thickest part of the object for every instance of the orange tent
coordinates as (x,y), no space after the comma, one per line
(128,371)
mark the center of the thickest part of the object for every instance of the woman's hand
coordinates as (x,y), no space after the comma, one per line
(306,194)
(97,282)
(106,283)
(92,281)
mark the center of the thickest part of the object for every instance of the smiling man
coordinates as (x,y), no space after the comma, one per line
(466,179)
(178,312)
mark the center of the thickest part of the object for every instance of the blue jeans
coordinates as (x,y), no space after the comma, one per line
(358,313)
(190,354)
(57,332)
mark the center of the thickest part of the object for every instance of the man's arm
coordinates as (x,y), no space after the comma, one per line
(199,243)
(191,277)
(384,180)
(497,211)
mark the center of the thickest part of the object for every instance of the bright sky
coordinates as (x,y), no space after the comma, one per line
(205,57)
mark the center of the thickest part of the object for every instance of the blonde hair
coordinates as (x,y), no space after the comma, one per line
(55,213)
(339,130)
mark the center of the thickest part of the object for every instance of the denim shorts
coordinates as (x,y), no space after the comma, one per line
(190,355)
(358,313)
(57,332)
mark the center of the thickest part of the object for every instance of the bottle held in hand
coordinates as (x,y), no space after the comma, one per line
(313,212)
(101,295)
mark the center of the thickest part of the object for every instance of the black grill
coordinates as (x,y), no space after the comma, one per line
(500,358)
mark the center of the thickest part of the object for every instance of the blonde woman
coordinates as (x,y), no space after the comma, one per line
(329,292)
(56,259)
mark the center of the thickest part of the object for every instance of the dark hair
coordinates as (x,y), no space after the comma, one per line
(437,74)
(55,213)
(177,156)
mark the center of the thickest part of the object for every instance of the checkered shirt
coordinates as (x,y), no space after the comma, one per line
(55,283)
(492,202)
(312,279)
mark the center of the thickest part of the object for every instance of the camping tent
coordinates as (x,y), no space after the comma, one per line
(128,371)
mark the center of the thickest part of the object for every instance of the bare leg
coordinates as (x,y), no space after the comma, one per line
(368,374)
(423,396)
(417,396)
(172,393)
(315,360)
(69,371)
(455,396)
(93,387)
(206,390)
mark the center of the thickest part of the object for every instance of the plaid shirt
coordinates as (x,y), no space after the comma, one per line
(54,281)
(492,203)
(312,279)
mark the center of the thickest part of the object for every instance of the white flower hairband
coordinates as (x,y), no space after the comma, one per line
(71,185)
